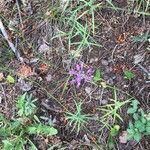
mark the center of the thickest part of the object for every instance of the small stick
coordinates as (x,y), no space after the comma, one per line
(19,12)
(2,28)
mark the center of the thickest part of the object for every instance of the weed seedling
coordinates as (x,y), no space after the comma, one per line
(112,110)
(129,75)
(15,132)
(77,119)
(113,132)
(98,76)
(141,124)
(79,27)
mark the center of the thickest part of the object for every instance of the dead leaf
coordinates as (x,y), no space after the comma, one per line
(121,38)
(43,68)
(24,71)
(123,137)
(138,58)
(1,76)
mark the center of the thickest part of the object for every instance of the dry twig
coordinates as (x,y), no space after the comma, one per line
(3,30)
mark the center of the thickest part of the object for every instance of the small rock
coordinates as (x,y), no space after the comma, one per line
(0,99)
(12,24)
(108,69)
(104,102)
(123,137)
(138,58)
(34,60)
(104,62)
(44,48)
(1,76)
(88,90)
(48,77)
(93,60)
(86,139)
(24,86)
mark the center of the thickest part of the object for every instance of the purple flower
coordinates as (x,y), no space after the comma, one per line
(80,74)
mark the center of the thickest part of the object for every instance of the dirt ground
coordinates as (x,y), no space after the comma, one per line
(49,62)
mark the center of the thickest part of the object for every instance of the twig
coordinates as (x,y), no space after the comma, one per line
(2,28)
(19,12)
(51,109)
(112,56)
(144,69)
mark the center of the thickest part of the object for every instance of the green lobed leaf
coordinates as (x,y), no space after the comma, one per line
(137,136)
(134,107)
(7,145)
(41,129)
(10,79)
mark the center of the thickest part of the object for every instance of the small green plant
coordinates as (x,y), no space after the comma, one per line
(142,38)
(129,74)
(113,132)
(141,124)
(10,79)
(77,119)
(98,76)
(142,6)
(25,105)
(112,110)
(79,28)
(15,132)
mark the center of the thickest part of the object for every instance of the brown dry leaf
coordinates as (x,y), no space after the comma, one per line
(1,76)
(24,71)
(121,38)
(43,68)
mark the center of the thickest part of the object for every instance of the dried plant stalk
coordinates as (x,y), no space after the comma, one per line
(3,30)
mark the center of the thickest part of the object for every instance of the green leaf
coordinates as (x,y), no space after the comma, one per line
(97,76)
(135,116)
(4,131)
(111,143)
(129,74)
(141,38)
(41,129)
(130,134)
(143,119)
(115,130)
(25,105)
(147,129)
(131,110)
(8,145)
(137,136)
(10,79)
(140,126)
(135,103)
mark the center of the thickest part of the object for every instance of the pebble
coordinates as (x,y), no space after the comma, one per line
(48,77)
(104,62)
(88,90)
(24,86)
(93,60)
(104,101)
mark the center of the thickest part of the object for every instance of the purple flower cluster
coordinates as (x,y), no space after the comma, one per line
(80,74)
